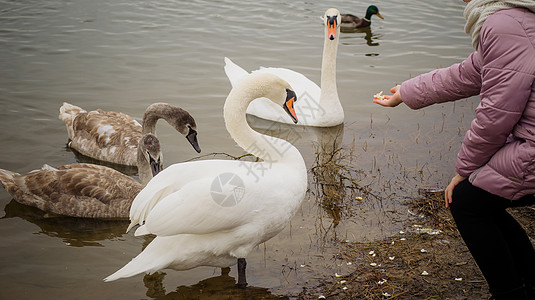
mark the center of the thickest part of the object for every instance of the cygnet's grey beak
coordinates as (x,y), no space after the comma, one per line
(192,138)
(155,166)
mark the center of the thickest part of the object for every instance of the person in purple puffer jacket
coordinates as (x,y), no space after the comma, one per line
(496,163)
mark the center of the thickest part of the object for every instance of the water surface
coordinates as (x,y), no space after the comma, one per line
(124,55)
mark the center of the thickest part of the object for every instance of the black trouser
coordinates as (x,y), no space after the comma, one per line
(499,245)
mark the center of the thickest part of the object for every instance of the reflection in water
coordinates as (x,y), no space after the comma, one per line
(296,135)
(333,180)
(154,284)
(336,184)
(328,179)
(75,232)
(79,232)
(218,287)
(369,36)
(123,54)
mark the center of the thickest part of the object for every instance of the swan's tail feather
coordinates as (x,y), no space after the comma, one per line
(148,198)
(234,72)
(141,230)
(141,207)
(67,112)
(6,178)
(148,261)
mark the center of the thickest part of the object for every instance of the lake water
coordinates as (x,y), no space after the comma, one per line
(124,55)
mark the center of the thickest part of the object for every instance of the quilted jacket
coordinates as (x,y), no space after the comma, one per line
(498,151)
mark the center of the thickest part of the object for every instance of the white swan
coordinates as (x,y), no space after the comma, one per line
(114,136)
(212,212)
(317,106)
(85,190)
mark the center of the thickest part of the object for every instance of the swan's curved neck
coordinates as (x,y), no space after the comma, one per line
(329,92)
(158,111)
(269,149)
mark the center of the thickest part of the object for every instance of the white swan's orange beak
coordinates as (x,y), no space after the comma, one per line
(331,27)
(289,104)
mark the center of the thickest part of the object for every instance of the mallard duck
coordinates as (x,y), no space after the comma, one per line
(351,21)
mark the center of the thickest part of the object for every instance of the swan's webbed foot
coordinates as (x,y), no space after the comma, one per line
(242,280)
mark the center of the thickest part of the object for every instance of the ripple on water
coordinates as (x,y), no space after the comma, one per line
(123,55)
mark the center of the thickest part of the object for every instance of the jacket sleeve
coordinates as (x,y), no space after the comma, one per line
(459,81)
(504,92)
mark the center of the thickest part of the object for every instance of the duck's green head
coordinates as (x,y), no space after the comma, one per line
(373,10)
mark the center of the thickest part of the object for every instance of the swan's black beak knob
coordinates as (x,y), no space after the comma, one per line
(332,24)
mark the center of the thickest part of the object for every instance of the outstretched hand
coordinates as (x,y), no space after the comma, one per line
(390,100)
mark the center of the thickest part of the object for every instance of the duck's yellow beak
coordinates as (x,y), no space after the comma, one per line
(379,15)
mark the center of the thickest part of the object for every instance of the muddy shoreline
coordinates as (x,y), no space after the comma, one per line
(427,260)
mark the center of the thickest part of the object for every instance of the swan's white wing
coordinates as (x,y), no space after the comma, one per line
(196,209)
(213,195)
(171,180)
(161,185)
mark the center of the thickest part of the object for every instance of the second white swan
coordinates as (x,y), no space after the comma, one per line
(317,106)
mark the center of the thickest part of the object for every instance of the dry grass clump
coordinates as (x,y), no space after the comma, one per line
(431,206)
(335,183)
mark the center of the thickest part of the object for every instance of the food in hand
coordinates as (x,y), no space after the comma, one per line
(379,96)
